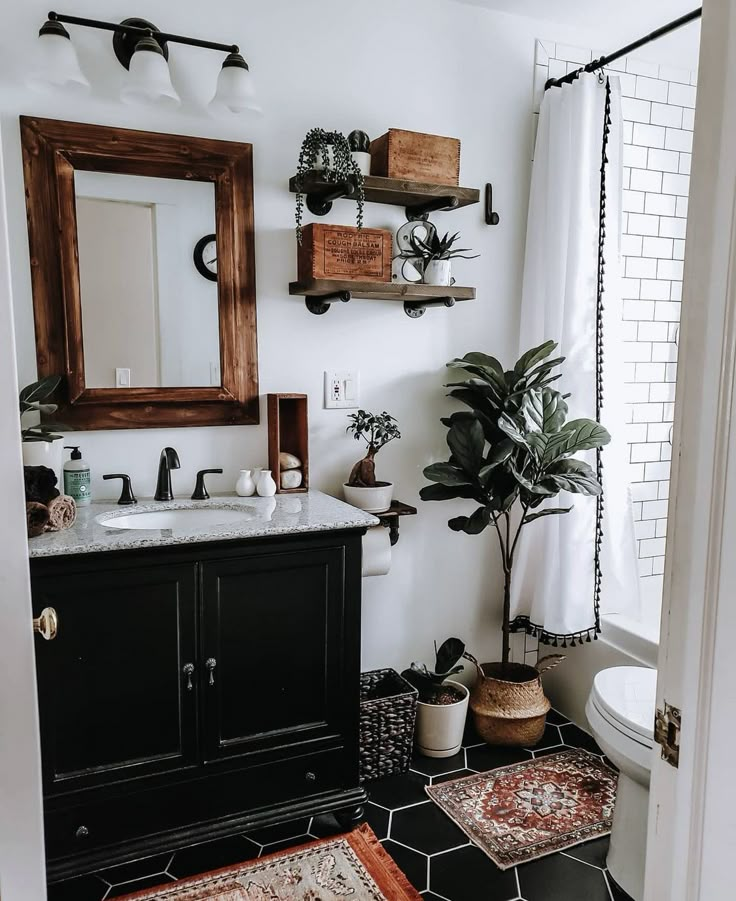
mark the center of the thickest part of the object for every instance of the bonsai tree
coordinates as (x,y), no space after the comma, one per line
(332,150)
(429,683)
(436,248)
(33,399)
(376,429)
(512,451)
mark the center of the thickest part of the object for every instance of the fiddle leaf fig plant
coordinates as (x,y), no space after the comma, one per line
(376,429)
(511,451)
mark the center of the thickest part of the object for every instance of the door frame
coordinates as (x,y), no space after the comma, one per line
(692,821)
(22,863)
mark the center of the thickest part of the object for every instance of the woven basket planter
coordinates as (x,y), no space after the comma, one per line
(388,711)
(508,702)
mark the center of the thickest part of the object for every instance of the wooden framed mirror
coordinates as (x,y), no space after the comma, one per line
(143,274)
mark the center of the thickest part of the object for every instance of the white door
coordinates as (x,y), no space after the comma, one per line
(692,824)
(22,872)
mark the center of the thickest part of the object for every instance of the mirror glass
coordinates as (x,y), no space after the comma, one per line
(147,274)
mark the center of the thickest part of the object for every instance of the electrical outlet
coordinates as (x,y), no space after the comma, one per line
(122,378)
(342,389)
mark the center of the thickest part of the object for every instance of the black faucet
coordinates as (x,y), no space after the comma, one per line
(169,460)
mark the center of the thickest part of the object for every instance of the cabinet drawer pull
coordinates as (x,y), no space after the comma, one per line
(188,670)
(47,624)
(211,663)
(82,832)
(310,777)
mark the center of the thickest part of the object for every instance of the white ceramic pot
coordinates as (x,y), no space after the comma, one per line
(265,486)
(44,453)
(438,272)
(319,162)
(245,486)
(372,500)
(440,727)
(363,161)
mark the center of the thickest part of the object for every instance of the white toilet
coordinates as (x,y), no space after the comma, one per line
(620,712)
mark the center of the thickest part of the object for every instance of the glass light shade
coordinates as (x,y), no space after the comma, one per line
(149,80)
(235,91)
(56,66)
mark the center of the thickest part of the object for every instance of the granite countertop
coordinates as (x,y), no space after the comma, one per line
(285,514)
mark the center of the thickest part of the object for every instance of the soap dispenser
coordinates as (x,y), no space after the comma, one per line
(77,478)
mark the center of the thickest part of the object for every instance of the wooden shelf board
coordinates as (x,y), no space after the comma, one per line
(397,508)
(319,287)
(396,191)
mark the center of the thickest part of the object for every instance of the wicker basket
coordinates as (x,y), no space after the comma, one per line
(508,703)
(388,710)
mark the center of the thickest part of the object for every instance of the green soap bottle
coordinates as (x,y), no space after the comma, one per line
(77,478)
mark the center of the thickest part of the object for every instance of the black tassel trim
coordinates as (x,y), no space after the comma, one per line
(524,624)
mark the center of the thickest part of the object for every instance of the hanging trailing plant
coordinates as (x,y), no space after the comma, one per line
(329,150)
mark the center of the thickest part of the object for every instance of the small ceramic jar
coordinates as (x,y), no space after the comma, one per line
(265,486)
(245,486)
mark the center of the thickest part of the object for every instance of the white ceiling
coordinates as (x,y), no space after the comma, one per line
(614,23)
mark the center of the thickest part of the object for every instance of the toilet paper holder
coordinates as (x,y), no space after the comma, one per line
(391,518)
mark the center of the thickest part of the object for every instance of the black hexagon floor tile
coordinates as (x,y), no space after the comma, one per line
(467,874)
(222,852)
(270,834)
(430,896)
(411,863)
(398,791)
(556,718)
(593,852)
(377,818)
(572,735)
(136,869)
(560,878)
(81,888)
(488,758)
(426,828)
(556,749)
(287,843)
(437,766)
(450,777)
(550,738)
(617,893)
(137,885)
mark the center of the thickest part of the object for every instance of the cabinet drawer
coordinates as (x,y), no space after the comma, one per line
(240,794)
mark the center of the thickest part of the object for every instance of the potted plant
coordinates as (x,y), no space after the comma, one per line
(330,152)
(361,489)
(41,443)
(510,452)
(437,255)
(442,706)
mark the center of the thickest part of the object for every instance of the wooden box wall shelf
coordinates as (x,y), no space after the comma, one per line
(418,197)
(321,293)
(171,726)
(344,252)
(288,431)
(412,154)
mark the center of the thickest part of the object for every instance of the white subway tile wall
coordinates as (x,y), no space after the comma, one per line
(658,107)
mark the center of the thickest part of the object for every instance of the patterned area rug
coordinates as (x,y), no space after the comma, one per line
(527,810)
(352,866)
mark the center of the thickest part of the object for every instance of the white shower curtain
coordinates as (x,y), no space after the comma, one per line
(554,591)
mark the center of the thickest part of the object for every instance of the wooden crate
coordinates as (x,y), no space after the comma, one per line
(416,156)
(288,431)
(345,252)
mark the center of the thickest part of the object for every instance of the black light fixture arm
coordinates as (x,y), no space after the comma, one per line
(121,27)
(624,51)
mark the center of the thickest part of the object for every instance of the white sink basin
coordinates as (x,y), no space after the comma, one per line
(183,520)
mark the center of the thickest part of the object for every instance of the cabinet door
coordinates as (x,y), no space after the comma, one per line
(113,694)
(274,636)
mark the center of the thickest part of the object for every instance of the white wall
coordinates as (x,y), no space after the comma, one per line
(428,65)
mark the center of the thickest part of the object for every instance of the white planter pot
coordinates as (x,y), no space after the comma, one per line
(438,272)
(319,162)
(440,727)
(363,161)
(372,500)
(44,453)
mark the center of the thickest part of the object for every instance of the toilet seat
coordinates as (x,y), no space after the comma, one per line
(625,697)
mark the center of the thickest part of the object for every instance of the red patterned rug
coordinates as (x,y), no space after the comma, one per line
(352,866)
(524,811)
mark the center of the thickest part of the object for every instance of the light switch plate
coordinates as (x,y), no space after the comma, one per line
(122,378)
(342,389)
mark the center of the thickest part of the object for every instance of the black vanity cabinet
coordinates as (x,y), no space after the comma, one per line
(196,691)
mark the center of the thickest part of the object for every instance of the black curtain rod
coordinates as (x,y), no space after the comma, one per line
(624,51)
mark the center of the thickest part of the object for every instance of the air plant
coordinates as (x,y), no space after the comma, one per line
(435,248)
(331,150)
(376,429)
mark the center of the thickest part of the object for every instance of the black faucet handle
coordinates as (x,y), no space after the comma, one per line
(126,495)
(200,491)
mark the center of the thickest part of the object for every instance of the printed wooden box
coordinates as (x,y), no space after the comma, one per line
(416,157)
(344,252)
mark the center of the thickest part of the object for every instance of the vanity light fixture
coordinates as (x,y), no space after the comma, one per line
(142,49)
